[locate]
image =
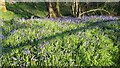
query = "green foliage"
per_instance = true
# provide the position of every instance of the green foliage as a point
(49, 43)
(28, 9)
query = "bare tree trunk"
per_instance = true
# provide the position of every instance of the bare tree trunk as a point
(76, 9)
(3, 6)
(58, 14)
(73, 6)
(79, 11)
(51, 13)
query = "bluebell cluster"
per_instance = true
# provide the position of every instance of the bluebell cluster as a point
(88, 40)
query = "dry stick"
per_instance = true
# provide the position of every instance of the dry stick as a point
(95, 10)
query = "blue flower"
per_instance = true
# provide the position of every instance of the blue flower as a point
(6, 35)
(3, 29)
(39, 38)
(19, 59)
(27, 52)
(23, 19)
(77, 21)
(2, 53)
(41, 46)
(18, 45)
(11, 53)
(10, 46)
(2, 37)
(42, 43)
(37, 26)
(22, 34)
(12, 31)
(47, 43)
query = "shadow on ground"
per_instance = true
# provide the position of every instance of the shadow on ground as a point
(89, 26)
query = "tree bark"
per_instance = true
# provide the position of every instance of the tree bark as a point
(3, 6)
(57, 11)
(76, 9)
(51, 13)
(73, 6)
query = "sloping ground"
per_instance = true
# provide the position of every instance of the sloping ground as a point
(59, 42)
(26, 10)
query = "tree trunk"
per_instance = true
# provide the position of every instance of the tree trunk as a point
(3, 6)
(73, 6)
(76, 9)
(51, 13)
(58, 14)
(79, 11)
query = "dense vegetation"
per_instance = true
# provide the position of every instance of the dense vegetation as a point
(60, 42)
(92, 40)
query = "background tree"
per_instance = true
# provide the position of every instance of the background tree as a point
(57, 9)
(51, 13)
(76, 9)
(53, 9)
(3, 6)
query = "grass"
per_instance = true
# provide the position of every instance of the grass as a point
(8, 15)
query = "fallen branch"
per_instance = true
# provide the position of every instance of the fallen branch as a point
(95, 10)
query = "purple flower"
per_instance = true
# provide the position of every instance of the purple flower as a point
(12, 31)
(2, 53)
(20, 59)
(2, 37)
(42, 43)
(77, 21)
(22, 34)
(52, 19)
(41, 46)
(47, 43)
(37, 35)
(23, 19)
(3, 29)
(39, 38)
(18, 45)
(11, 53)
(27, 52)
(37, 26)
(6, 35)
(10, 46)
